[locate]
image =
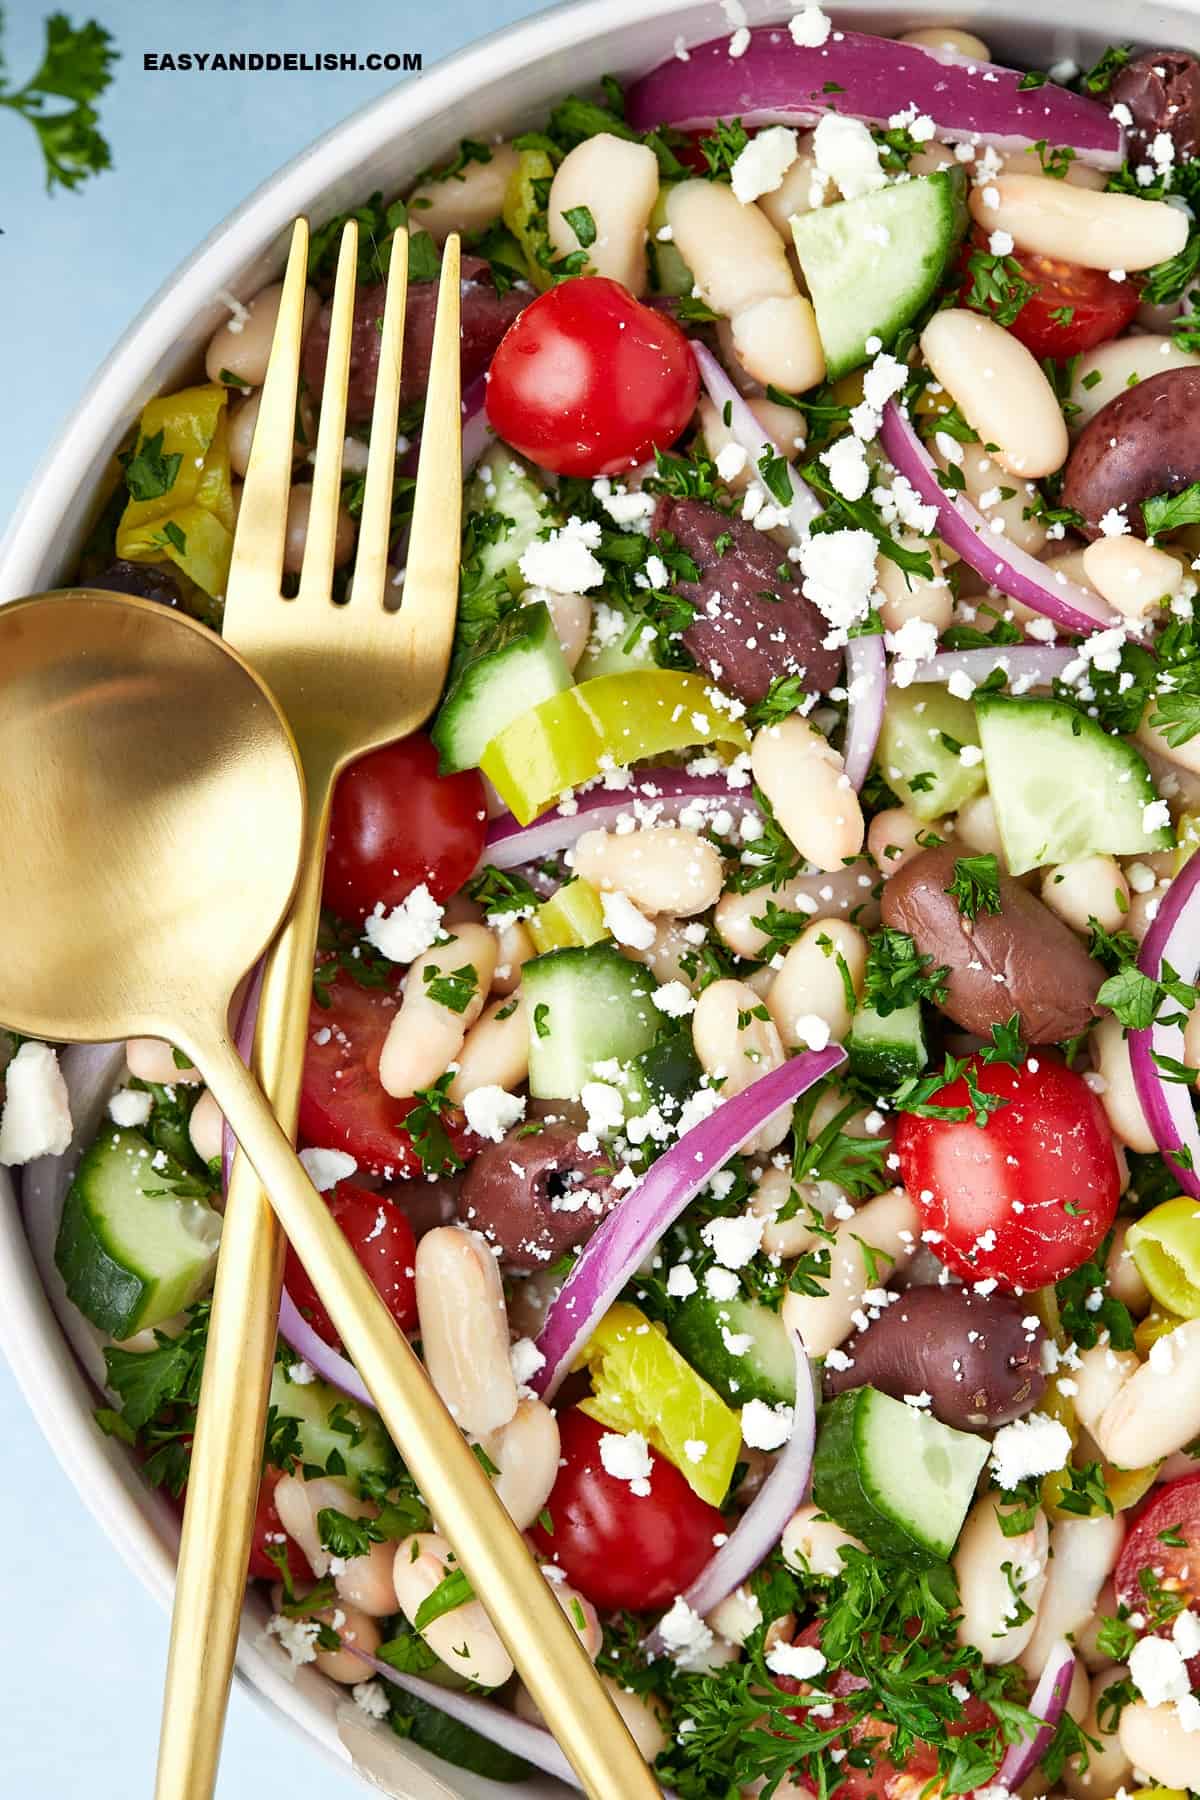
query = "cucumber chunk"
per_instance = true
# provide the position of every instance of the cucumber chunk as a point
(518, 666)
(334, 1433)
(618, 654)
(585, 1007)
(137, 1242)
(918, 755)
(503, 484)
(884, 1051)
(872, 263)
(1061, 785)
(894, 1475)
(704, 1329)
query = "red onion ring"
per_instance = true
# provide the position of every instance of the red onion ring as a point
(866, 686)
(1033, 665)
(671, 791)
(324, 1361)
(477, 434)
(753, 439)
(633, 1228)
(1174, 937)
(1048, 1703)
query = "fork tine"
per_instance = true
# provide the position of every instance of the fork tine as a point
(431, 576)
(374, 528)
(262, 521)
(316, 574)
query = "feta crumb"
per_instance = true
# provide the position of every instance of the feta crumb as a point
(408, 930)
(674, 999)
(490, 1111)
(325, 1168)
(809, 27)
(564, 561)
(685, 1634)
(800, 1661)
(1036, 1445)
(369, 1697)
(626, 1457)
(301, 1374)
(627, 924)
(730, 461)
(297, 1636)
(734, 1241)
(766, 1427)
(847, 154)
(525, 1359)
(37, 1109)
(838, 569)
(681, 1283)
(764, 162)
(131, 1107)
(1158, 1671)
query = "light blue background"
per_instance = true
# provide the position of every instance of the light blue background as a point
(83, 1647)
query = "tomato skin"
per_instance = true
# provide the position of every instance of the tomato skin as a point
(1101, 308)
(1173, 1508)
(622, 1550)
(397, 823)
(383, 1241)
(343, 1105)
(1049, 1148)
(268, 1529)
(588, 381)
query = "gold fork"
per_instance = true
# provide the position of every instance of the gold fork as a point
(349, 678)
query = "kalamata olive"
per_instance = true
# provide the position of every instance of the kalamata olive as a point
(535, 1197)
(977, 1356)
(146, 581)
(1021, 960)
(750, 627)
(1146, 441)
(1161, 89)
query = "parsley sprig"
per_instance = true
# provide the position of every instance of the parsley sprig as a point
(76, 68)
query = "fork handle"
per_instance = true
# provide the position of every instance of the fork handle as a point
(239, 1359)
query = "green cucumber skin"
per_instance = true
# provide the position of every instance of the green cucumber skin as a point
(523, 666)
(887, 1050)
(910, 745)
(598, 1008)
(113, 1297)
(453, 1742)
(311, 1404)
(768, 1369)
(838, 1489)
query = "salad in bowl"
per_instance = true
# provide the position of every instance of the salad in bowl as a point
(754, 1026)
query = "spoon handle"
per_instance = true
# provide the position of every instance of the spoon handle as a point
(537, 1633)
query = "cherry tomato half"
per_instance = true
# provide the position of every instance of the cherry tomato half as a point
(343, 1104)
(383, 1241)
(397, 823)
(269, 1532)
(1029, 1196)
(588, 381)
(620, 1549)
(1162, 1553)
(1073, 308)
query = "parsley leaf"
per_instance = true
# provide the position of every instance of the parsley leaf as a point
(580, 219)
(452, 1590)
(1137, 1000)
(456, 990)
(423, 1123)
(1167, 512)
(1086, 1308)
(149, 474)
(898, 974)
(76, 66)
(976, 884)
(346, 1537)
(501, 891)
(998, 286)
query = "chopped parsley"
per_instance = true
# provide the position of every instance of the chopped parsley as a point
(149, 473)
(976, 885)
(898, 974)
(57, 100)
(455, 990)
(424, 1125)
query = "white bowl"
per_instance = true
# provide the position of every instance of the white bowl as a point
(501, 84)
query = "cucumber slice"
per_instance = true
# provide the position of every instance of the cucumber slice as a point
(334, 1433)
(586, 1006)
(518, 666)
(614, 658)
(894, 1475)
(871, 264)
(1061, 785)
(453, 1742)
(884, 1051)
(665, 1076)
(703, 1330)
(918, 755)
(503, 484)
(669, 274)
(132, 1250)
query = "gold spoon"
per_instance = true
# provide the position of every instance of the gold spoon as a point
(151, 818)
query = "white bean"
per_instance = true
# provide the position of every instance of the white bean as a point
(206, 1128)
(803, 778)
(153, 1060)
(1186, 755)
(771, 1193)
(975, 826)
(464, 1328)
(776, 340)
(1002, 500)
(1099, 1376)
(1079, 1694)
(1158, 1410)
(1101, 374)
(464, 1638)
(1124, 1278)
(733, 251)
(571, 615)
(525, 1452)
(1154, 1740)
(914, 596)
(1094, 887)
(243, 421)
(814, 896)
(948, 37)
(1108, 1767)
(583, 1616)
(514, 948)
(1119, 1096)
(812, 1544)
(1028, 162)
(1085, 1638)
(990, 1594)
(1082, 1555)
(368, 1582)
(1000, 389)
(1079, 225)
(467, 201)
(298, 1502)
(1132, 576)
(779, 423)
(296, 532)
(735, 1617)
(357, 1632)
(242, 346)
(671, 956)
(812, 982)
(662, 868)
(495, 1051)
(737, 1045)
(618, 183)
(425, 1036)
(643, 1715)
(887, 1223)
(892, 838)
(801, 190)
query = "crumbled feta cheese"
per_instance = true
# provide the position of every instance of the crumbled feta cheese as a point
(721, 1284)
(622, 506)
(490, 1111)
(564, 561)
(766, 1427)
(525, 1359)
(809, 27)
(695, 1449)
(325, 1168)
(1156, 816)
(734, 1240)
(846, 461)
(730, 461)
(1186, 1634)
(131, 1107)
(800, 1661)
(681, 1283)
(297, 1636)
(838, 569)
(408, 930)
(301, 1374)
(369, 1697)
(604, 1105)
(1158, 1671)
(1113, 523)
(627, 924)
(848, 155)
(812, 1030)
(685, 1634)
(36, 1120)
(674, 999)
(1036, 1445)
(764, 162)
(914, 643)
(626, 1457)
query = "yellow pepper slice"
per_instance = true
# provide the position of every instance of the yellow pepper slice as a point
(1156, 1324)
(641, 1383)
(612, 719)
(521, 210)
(572, 917)
(189, 520)
(1165, 1246)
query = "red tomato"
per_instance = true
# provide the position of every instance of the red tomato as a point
(268, 1530)
(1172, 1512)
(1029, 1196)
(1099, 307)
(588, 381)
(384, 1244)
(623, 1550)
(343, 1105)
(397, 823)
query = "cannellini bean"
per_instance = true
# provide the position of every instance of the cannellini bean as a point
(670, 954)
(1001, 499)
(1132, 576)
(467, 201)
(892, 838)
(913, 596)
(772, 1192)
(618, 182)
(243, 421)
(1186, 755)
(153, 1060)
(464, 1328)
(812, 895)
(1000, 389)
(643, 1715)
(1082, 1555)
(1158, 1410)
(1094, 887)
(1154, 1740)
(737, 1045)
(662, 868)
(424, 1036)
(206, 1128)
(242, 345)
(1124, 1278)
(888, 1223)
(1079, 1694)
(582, 1615)
(368, 1582)
(811, 985)
(495, 1051)
(1099, 1376)
(735, 1617)
(989, 1593)
(465, 1638)
(525, 1452)
(777, 341)
(572, 618)
(831, 1102)
(1078, 225)
(298, 1502)
(803, 778)
(1109, 1766)
(976, 827)
(529, 1302)
(1028, 162)
(779, 423)
(801, 190)
(1143, 909)
(296, 533)
(812, 1544)
(1118, 1096)
(357, 1632)
(948, 37)
(1085, 1637)
(514, 948)
(1101, 374)
(1069, 564)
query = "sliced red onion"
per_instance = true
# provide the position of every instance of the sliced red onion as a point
(1025, 665)
(477, 434)
(1174, 937)
(631, 1231)
(328, 1363)
(779, 82)
(963, 527)
(866, 685)
(761, 1526)
(1047, 1702)
(669, 791)
(753, 439)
